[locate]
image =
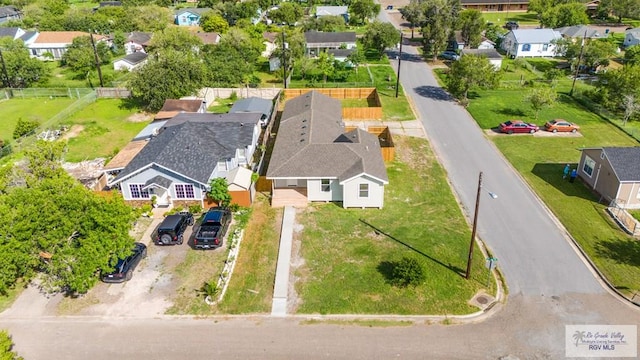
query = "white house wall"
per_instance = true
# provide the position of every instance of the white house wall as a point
(315, 193)
(351, 193)
(149, 173)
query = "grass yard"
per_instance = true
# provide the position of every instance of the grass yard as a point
(540, 160)
(40, 110)
(392, 108)
(107, 126)
(501, 17)
(347, 263)
(221, 106)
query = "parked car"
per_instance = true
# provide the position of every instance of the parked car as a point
(511, 25)
(561, 125)
(518, 126)
(449, 55)
(123, 269)
(171, 230)
(213, 228)
(389, 7)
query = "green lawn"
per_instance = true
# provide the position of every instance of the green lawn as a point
(106, 128)
(347, 262)
(540, 161)
(393, 108)
(500, 18)
(40, 110)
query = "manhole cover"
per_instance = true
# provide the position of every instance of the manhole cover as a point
(482, 300)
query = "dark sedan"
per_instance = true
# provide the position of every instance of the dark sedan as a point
(518, 126)
(123, 270)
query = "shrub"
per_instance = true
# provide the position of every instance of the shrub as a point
(195, 209)
(24, 127)
(233, 96)
(408, 271)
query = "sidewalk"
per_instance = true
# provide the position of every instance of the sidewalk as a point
(281, 287)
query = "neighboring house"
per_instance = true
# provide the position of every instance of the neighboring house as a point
(495, 5)
(579, 32)
(614, 173)
(173, 107)
(631, 37)
(592, 7)
(17, 33)
(208, 38)
(333, 11)
(189, 16)
(177, 165)
(314, 159)
(492, 54)
(130, 62)
(264, 107)
(54, 43)
(457, 43)
(318, 41)
(341, 55)
(487, 44)
(269, 43)
(530, 43)
(8, 13)
(137, 42)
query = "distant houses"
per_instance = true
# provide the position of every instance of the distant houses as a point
(318, 41)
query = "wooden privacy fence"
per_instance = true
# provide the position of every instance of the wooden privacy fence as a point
(263, 184)
(355, 113)
(387, 148)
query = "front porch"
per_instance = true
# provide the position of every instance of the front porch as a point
(291, 196)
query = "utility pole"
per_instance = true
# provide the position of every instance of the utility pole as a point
(284, 61)
(584, 38)
(475, 226)
(97, 59)
(4, 70)
(399, 61)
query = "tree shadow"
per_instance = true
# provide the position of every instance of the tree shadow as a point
(389, 267)
(509, 111)
(433, 92)
(386, 269)
(552, 174)
(130, 103)
(622, 251)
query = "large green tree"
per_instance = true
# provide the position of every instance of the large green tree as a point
(440, 16)
(471, 72)
(564, 15)
(414, 14)
(167, 75)
(379, 36)
(632, 55)
(620, 8)
(174, 38)
(214, 22)
(149, 18)
(80, 57)
(615, 85)
(6, 347)
(471, 25)
(326, 64)
(23, 71)
(288, 14)
(539, 98)
(360, 11)
(232, 61)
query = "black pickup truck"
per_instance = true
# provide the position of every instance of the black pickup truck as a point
(212, 229)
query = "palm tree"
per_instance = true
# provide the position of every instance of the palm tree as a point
(578, 336)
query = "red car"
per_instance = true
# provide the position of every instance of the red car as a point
(518, 126)
(561, 125)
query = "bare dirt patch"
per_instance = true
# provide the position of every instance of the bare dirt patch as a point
(140, 117)
(73, 132)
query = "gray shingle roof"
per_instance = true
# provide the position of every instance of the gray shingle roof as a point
(9, 32)
(252, 104)
(311, 142)
(535, 36)
(139, 37)
(488, 53)
(181, 105)
(340, 52)
(319, 37)
(192, 144)
(578, 31)
(198, 11)
(135, 58)
(6, 11)
(625, 162)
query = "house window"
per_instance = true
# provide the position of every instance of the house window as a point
(184, 191)
(364, 190)
(325, 185)
(589, 164)
(526, 47)
(545, 47)
(137, 192)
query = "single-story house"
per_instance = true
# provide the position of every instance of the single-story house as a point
(137, 42)
(319, 41)
(16, 33)
(253, 104)
(341, 55)
(270, 44)
(486, 44)
(579, 31)
(54, 43)
(592, 7)
(173, 107)
(333, 11)
(614, 173)
(530, 43)
(241, 188)
(492, 55)
(8, 13)
(631, 37)
(131, 61)
(314, 159)
(189, 16)
(457, 42)
(495, 5)
(208, 38)
(177, 165)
